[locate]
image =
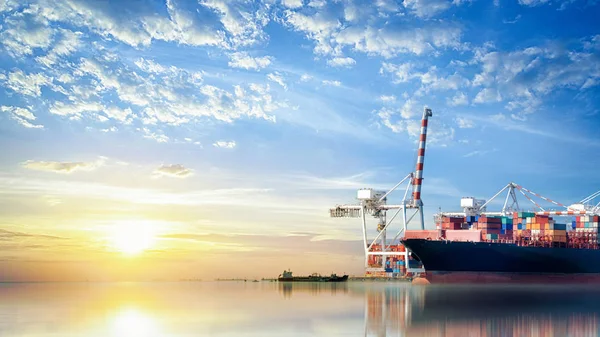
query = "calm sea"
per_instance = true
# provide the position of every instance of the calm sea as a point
(274, 309)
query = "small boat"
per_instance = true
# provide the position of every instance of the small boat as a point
(287, 276)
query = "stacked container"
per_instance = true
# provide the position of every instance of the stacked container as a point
(490, 227)
(453, 223)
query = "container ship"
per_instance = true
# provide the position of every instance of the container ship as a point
(524, 248)
(476, 245)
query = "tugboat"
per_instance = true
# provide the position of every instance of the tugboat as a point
(287, 277)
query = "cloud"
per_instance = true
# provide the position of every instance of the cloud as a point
(430, 79)
(132, 23)
(22, 35)
(438, 133)
(158, 137)
(27, 84)
(305, 77)
(428, 8)
(464, 123)
(341, 62)
(292, 3)
(533, 3)
(525, 76)
(174, 170)
(387, 98)
(225, 144)
(458, 99)
(63, 167)
(277, 78)
(478, 153)
(5, 234)
(75, 109)
(243, 21)
(69, 42)
(244, 61)
(487, 95)
(388, 42)
(23, 116)
(332, 83)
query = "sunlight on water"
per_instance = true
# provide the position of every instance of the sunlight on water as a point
(286, 309)
(131, 322)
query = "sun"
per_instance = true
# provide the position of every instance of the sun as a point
(132, 238)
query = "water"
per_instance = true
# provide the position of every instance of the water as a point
(274, 309)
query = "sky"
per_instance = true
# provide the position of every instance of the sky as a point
(148, 140)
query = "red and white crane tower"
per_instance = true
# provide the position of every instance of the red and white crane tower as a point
(374, 203)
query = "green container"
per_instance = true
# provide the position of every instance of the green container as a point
(507, 221)
(491, 236)
(526, 214)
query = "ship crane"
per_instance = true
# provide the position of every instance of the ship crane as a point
(374, 203)
(473, 207)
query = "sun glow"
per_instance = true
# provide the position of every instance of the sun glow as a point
(131, 322)
(132, 238)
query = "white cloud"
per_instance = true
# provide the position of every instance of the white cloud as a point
(158, 137)
(122, 115)
(464, 123)
(386, 98)
(458, 99)
(242, 20)
(487, 95)
(523, 77)
(150, 66)
(63, 167)
(533, 3)
(277, 78)
(332, 83)
(427, 8)
(305, 78)
(23, 116)
(21, 36)
(317, 3)
(430, 79)
(174, 170)
(243, 60)
(225, 144)
(75, 109)
(389, 43)
(27, 84)
(478, 153)
(69, 43)
(341, 62)
(139, 30)
(401, 72)
(318, 27)
(292, 3)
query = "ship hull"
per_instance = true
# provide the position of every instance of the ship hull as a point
(484, 262)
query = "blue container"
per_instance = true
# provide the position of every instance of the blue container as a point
(389, 270)
(400, 263)
(476, 218)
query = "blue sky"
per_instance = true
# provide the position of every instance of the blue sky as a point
(239, 117)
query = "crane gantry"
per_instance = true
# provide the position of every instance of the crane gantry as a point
(374, 203)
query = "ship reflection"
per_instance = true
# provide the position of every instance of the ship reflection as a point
(313, 288)
(482, 311)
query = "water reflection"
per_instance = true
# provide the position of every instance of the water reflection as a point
(313, 288)
(133, 322)
(296, 309)
(512, 311)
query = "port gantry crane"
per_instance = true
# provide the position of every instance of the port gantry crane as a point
(472, 206)
(374, 203)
